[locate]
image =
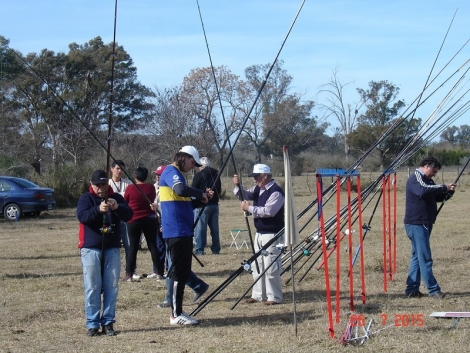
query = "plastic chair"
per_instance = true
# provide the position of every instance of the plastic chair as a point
(238, 234)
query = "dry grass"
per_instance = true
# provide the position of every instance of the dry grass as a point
(42, 293)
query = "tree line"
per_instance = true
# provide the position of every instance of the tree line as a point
(55, 108)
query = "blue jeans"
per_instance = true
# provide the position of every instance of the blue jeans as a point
(96, 284)
(193, 281)
(209, 218)
(421, 259)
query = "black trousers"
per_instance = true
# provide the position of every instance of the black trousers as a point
(149, 226)
(180, 250)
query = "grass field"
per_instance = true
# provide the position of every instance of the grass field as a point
(41, 291)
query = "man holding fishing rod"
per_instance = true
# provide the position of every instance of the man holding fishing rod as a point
(422, 195)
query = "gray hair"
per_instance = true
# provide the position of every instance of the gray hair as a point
(205, 162)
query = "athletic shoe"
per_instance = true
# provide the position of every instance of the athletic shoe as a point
(135, 276)
(153, 275)
(160, 277)
(128, 278)
(417, 294)
(198, 295)
(183, 319)
(92, 332)
(163, 305)
(108, 330)
(438, 295)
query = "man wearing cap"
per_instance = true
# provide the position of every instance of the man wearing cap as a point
(101, 270)
(268, 217)
(177, 226)
(205, 179)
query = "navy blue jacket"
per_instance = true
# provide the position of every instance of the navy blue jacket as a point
(91, 220)
(422, 195)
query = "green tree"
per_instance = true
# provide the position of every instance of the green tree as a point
(382, 109)
(57, 98)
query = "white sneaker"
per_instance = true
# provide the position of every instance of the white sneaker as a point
(135, 276)
(183, 319)
(153, 275)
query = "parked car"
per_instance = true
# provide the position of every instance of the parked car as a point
(20, 196)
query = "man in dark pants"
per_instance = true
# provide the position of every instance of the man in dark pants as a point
(422, 195)
(177, 226)
(209, 217)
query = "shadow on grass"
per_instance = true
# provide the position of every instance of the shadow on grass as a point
(34, 275)
(40, 257)
(239, 320)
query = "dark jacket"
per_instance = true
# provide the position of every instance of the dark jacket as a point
(205, 179)
(91, 220)
(422, 195)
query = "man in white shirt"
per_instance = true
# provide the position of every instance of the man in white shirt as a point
(119, 185)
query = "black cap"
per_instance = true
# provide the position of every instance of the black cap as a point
(99, 177)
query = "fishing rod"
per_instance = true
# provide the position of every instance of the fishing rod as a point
(105, 229)
(449, 194)
(247, 263)
(246, 214)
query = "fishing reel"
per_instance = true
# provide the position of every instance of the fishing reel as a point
(247, 266)
(107, 230)
(449, 195)
(282, 248)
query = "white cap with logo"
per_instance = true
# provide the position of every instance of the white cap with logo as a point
(192, 151)
(260, 169)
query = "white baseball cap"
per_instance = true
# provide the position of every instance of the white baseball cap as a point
(192, 151)
(260, 169)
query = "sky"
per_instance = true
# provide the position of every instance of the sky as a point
(364, 41)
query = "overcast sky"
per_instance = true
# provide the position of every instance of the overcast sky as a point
(365, 40)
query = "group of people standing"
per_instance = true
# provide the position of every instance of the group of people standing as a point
(116, 208)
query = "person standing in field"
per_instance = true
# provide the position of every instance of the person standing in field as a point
(268, 217)
(140, 198)
(422, 195)
(101, 275)
(177, 226)
(119, 185)
(209, 217)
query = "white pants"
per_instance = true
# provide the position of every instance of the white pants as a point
(269, 286)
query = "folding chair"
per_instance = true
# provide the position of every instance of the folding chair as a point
(238, 234)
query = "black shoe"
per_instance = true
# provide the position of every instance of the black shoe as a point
(417, 294)
(108, 330)
(92, 332)
(199, 294)
(438, 295)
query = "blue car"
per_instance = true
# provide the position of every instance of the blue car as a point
(20, 196)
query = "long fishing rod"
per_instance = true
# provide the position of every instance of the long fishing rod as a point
(104, 229)
(450, 194)
(247, 263)
(227, 140)
(432, 68)
(387, 133)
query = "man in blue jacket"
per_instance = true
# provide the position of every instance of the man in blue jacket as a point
(422, 195)
(101, 277)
